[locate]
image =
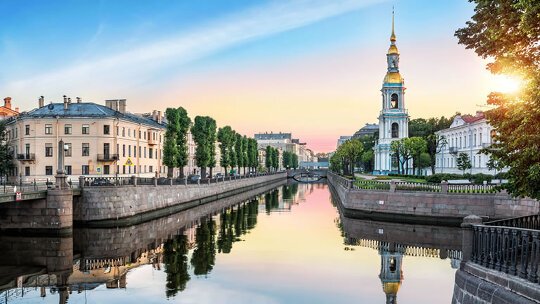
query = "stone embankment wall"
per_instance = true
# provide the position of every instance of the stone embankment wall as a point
(132, 204)
(132, 240)
(427, 207)
(475, 284)
(40, 215)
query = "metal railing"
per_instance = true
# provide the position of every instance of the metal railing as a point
(26, 156)
(526, 222)
(515, 251)
(472, 188)
(108, 157)
(425, 187)
(162, 181)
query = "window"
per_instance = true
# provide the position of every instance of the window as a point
(67, 152)
(48, 129)
(67, 168)
(129, 169)
(67, 129)
(27, 150)
(395, 130)
(129, 150)
(117, 130)
(134, 169)
(48, 150)
(145, 169)
(394, 101)
(129, 132)
(85, 129)
(150, 152)
(139, 134)
(48, 170)
(27, 130)
(123, 150)
(106, 169)
(117, 169)
(123, 132)
(85, 169)
(85, 149)
(124, 169)
(145, 135)
(150, 169)
(144, 152)
(26, 171)
(140, 149)
(392, 264)
(134, 151)
(106, 129)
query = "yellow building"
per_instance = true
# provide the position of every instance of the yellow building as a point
(99, 140)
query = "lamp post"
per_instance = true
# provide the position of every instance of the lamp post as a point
(60, 172)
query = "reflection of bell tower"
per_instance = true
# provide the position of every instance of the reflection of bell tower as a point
(391, 274)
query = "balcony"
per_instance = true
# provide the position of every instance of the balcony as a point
(151, 140)
(453, 150)
(486, 145)
(26, 157)
(108, 157)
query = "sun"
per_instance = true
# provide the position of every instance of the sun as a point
(506, 84)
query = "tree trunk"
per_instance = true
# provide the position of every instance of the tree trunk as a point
(182, 172)
(170, 172)
(211, 172)
(203, 172)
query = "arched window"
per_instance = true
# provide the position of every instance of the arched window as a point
(395, 130)
(394, 101)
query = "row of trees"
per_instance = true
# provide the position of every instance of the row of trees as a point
(237, 151)
(290, 160)
(271, 160)
(347, 156)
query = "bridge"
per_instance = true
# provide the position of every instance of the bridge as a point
(307, 175)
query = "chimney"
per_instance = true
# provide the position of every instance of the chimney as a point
(69, 100)
(7, 102)
(17, 109)
(122, 106)
(65, 103)
(41, 101)
(159, 117)
(78, 100)
(154, 115)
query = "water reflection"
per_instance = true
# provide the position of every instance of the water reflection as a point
(280, 246)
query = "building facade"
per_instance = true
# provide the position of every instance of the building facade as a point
(6, 110)
(367, 130)
(393, 118)
(467, 134)
(98, 141)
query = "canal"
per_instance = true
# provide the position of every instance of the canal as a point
(288, 245)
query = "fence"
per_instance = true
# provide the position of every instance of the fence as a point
(371, 185)
(513, 250)
(161, 181)
(25, 187)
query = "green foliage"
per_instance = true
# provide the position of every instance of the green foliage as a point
(6, 155)
(268, 158)
(204, 136)
(294, 161)
(426, 129)
(463, 162)
(184, 123)
(424, 160)
(175, 151)
(176, 264)
(225, 137)
(347, 156)
(238, 148)
(508, 32)
(204, 255)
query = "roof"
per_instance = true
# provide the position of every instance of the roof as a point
(269, 136)
(86, 109)
(470, 119)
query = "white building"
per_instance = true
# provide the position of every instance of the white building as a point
(393, 118)
(467, 134)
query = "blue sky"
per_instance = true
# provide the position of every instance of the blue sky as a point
(181, 53)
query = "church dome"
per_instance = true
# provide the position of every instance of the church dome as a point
(393, 77)
(393, 50)
(391, 287)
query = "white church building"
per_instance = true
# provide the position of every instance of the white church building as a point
(393, 118)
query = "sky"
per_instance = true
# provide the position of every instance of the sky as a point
(310, 67)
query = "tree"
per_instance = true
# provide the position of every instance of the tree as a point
(225, 138)
(402, 153)
(238, 148)
(294, 161)
(287, 159)
(184, 124)
(416, 146)
(275, 159)
(427, 128)
(170, 147)
(6, 155)
(245, 157)
(424, 160)
(508, 32)
(204, 136)
(463, 162)
(268, 158)
(253, 154)
(367, 160)
(212, 134)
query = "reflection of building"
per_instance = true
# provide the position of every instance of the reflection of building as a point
(391, 274)
(393, 118)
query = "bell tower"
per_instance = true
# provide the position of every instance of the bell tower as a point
(393, 118)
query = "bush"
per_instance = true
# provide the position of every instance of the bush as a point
(408, 176)
(474, 178)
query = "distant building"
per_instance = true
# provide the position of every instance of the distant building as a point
(99, 140)
(367, 130)
(342, 139)
(284, 142)
(6, 111)
(467, 134)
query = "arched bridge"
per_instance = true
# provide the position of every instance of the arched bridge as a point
(307, 176)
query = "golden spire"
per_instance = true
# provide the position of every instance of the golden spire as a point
(393, 36)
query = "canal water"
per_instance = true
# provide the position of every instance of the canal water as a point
(289, 245)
